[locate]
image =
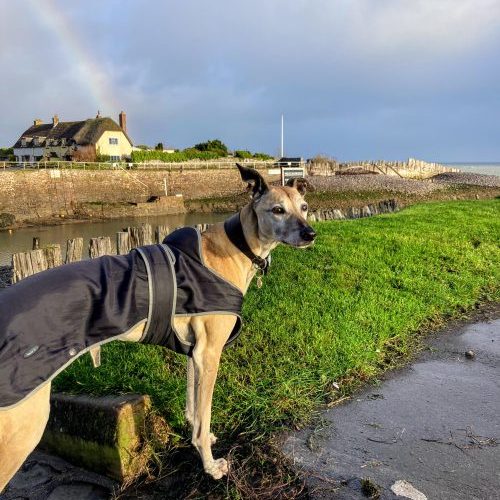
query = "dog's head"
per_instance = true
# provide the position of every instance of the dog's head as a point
(281, 211)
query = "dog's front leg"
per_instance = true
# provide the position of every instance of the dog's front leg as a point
(206, 356)
(191, 396)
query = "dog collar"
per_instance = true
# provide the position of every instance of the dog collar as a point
(234, 231)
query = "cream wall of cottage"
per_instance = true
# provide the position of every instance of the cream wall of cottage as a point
(123, 148)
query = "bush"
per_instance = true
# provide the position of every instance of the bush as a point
(242, 153)
(186, 155)
(102, 158)
(7, 154)
(215, 145)
(7, 219)
(262, 156)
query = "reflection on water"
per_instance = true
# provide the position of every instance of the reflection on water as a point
(21, 240)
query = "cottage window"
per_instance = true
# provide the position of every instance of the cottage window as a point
(114, 158)
(113, 140)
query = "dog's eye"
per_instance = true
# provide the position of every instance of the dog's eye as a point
(278, 210)
(304, 207)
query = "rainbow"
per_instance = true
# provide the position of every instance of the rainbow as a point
(94, 78)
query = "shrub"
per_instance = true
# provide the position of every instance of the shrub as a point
(215, 145)
(242, 153)
(262, 156)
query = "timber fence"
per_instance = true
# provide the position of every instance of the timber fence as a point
(222, 164)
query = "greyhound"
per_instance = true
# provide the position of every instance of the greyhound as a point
(236, 253)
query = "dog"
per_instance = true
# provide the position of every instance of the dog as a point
(233, 252)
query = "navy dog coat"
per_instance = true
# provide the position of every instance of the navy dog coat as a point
(51, 318)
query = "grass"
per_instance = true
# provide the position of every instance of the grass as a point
(340, 312)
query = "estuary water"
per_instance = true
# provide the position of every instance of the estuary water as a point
(21, 240)
(489, 168)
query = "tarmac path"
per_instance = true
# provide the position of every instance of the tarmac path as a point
(431, 430)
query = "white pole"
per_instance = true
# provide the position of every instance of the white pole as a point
(282, 150)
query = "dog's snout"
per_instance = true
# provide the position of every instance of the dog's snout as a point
(308, 234)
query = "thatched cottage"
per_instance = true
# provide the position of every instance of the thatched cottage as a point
(78, 141)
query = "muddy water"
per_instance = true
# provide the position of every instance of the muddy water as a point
(21, 240)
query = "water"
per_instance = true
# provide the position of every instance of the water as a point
(21, 240)
(489, 168)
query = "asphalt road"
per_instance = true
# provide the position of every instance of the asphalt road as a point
(431, 430)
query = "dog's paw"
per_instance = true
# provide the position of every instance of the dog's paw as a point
(217, 468)
(212, 437)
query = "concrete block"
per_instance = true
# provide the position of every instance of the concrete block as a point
(107, 434)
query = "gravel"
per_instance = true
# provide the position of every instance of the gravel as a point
(373, 182)
(381, 182)
(469, 178)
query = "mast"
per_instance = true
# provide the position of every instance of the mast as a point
(282, 150)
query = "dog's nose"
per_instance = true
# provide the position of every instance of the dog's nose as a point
(308, 234)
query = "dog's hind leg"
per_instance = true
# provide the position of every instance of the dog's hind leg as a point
(21, 429)
(210, 340)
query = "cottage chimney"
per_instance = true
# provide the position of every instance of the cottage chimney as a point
(123, 121)
(55, 120)
(37, 122)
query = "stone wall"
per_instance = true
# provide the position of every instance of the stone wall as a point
(42, 194)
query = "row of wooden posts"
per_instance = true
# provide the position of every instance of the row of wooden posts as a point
(41, 258)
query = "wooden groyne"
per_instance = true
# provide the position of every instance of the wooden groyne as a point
(409, 169)
(25, 264)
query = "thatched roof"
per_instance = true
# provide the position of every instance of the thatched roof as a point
(81, 133)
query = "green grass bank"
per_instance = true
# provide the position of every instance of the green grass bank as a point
(340, 312)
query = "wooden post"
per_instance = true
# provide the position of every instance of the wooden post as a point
(53, 256)
(201, 227)
(140, 236)
(122, 242)
(25, 264)
(100, 246)
(74, 250)
(161, 232)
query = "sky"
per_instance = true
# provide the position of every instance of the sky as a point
(355, 79)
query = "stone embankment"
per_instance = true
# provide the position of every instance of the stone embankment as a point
(382, 207)
(37, 195)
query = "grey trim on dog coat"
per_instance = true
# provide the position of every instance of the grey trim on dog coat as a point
(51, 318)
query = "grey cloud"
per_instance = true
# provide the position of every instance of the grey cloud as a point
(354, 79)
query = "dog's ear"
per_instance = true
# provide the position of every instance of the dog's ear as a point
(300, 184)
(255, 181)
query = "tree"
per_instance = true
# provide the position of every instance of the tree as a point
(159, 146)
(84, 153)
(215, 145)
